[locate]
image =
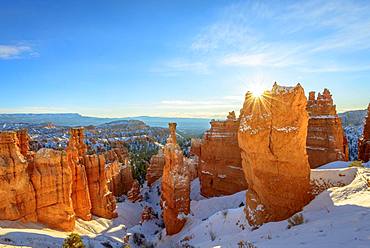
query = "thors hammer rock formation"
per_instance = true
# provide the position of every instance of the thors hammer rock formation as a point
(272, 137)
(52, 180)
(175, 197)
(220, 171)
(17, 195)
(364, 141)
(76, 150)
(326, 141)
(155, 169)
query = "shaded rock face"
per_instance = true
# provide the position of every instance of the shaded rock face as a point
(76, 150)
(16, 190)
(326, 141)
(155, 169)
(175, 193)
(364, 141)
(220, 169)
(272, 137)
(103, 203)
(134, 194)
(52, 181)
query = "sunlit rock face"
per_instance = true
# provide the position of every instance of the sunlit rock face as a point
(326, 141)
(272, 137)
(76, 151)
(52, 180)
(175, 193)
(23, 141)
(17, 195)
(364, 141)
(155, 169)
(220, 171)
(103, 203)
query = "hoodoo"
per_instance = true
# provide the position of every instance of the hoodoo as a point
(220, 171)
(175, 197)
(364, 141)
(326, 141)
(272, 136)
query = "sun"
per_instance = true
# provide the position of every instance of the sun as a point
(257, 90)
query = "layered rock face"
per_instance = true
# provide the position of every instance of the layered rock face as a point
(326, 141)
(220, 171)
(16, 190)
(155, 169)
(364, 141)
(103, 203)
(76, 151)
(272, 137)
(175, 197)
(52, 181)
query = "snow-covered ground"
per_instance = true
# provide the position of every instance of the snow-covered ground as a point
(338, 217)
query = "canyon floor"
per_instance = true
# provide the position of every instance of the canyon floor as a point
(338, 217)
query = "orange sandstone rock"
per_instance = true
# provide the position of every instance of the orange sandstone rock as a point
(326, 141)
(76, 150)
(17, 195)
(23, 141)
(272, 137)
(155, 169)
(175, 193)
(52, 181)
(364, 141)
(220, 171)
(103, 203)
(134, 194)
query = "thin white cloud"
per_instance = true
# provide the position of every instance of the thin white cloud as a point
(176, 66)
(14, 51)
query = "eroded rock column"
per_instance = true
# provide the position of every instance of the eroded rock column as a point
(272, 137)
(175, 197)
(364, 141)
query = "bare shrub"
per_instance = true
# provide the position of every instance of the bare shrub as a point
(295, 220)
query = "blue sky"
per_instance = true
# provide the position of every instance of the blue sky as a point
(177, 58)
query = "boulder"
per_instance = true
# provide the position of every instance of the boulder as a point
(364, 141)
(326, 141)
(175, 192)
(272, 137)
(18, 201)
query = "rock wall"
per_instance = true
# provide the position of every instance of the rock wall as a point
(364, 141)
(23, 141)
(52, 180)
(220, 171)
(103, 203)
(16, 190)
(155, 169)
(175, 193)
(272, 137)
(326, 141)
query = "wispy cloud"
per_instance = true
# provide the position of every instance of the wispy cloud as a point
(176, 66)
(15, 51)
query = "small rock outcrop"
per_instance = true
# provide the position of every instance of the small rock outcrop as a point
(272, 137)
(134, 194)
(18, 201)
(220, 168)
(326, 141)
(175, 193)
(155, 169)
(76, 151)
(364, 141)
(52, 180)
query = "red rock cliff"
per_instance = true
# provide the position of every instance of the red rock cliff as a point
(364, 141)
(16, 190)
(272, 137)
(326, 141)
(175, 197)
(220, 171)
